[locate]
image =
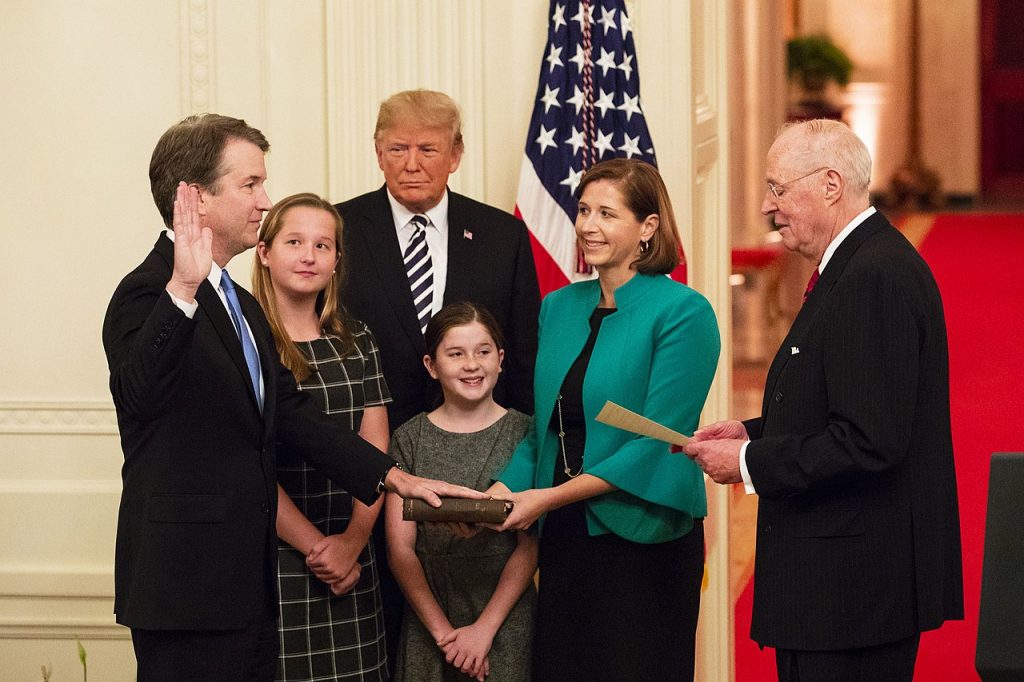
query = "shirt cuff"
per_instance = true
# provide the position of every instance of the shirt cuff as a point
(380, 483)
(188, 308)
(748, 485)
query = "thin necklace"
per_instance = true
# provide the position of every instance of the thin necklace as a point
(561, 440)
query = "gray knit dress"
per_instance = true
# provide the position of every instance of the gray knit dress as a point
(463, 572)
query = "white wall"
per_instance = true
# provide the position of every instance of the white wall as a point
(89, 87)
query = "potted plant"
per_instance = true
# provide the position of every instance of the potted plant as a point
(812, 63)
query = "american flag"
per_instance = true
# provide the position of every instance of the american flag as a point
(588, 109)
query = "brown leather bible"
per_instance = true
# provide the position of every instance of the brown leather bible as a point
(457, 509)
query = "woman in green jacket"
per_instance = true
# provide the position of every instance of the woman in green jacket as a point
(619, 515)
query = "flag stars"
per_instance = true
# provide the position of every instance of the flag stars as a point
(581, 57)
(630, 146)
(603, 144)
(580, 18)
(624, 25)
(577, 98)
(558, 18)
(607, 61)
(546, 139)
(576, 140)
(550, 98)
(604, 102)
(553, 59)
(626, 66)
(630, 105)
(607, 19)
(573, 180)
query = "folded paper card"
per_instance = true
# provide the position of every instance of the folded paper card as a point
(627, 420)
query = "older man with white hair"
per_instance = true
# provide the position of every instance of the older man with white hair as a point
(858, 533)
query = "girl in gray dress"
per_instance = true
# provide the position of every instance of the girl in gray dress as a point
(471, 594)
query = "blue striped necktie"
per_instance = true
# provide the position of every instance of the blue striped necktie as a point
(420, 270)
(252, 358)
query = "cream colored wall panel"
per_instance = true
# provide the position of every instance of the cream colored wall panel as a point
(757, 106)
(661, 30)
(238, 57)
(110, 660)
(59, 527)
(950, 117)
(513, 39)
(377, 49)
(296, 105)
(78, 100)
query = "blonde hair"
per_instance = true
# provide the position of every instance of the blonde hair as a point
(333, 318)
(426, 107)
(645, 194)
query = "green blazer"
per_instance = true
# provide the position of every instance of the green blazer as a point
(656, 355)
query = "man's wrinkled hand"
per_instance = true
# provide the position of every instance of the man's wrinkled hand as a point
(720, 459)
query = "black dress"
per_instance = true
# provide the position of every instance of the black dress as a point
(610, 609)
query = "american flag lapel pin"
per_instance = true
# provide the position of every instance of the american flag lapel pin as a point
(466, 234)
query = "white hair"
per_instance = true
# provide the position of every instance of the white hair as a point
(832, 143)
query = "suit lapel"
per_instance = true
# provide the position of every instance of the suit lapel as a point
(818, 298)
(265, 348)
(381, 245)
(213, 308)
(459, 250)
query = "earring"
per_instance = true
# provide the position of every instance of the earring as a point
(644, 247)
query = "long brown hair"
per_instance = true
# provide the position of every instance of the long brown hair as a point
(333, 318)
(645, 194)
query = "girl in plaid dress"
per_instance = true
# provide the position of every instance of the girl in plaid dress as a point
(331, 626)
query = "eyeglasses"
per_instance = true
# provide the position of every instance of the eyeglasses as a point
(778, 190)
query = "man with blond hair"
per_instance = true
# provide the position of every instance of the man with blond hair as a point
(476, 253)
(858, 533)
(413, 245)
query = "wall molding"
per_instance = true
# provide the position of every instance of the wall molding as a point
(58, 418)
(34, 581)
(63, 628)
(197, 52)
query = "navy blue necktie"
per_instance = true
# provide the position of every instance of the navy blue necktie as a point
(252, 358)
(420, 270)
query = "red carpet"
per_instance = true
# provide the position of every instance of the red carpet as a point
(977, 263)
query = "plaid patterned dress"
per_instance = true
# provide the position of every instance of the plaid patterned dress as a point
(327, 637)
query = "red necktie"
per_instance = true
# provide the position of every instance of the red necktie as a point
(810, 284)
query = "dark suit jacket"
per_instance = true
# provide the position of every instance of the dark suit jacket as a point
(493, 268)
(858, 534)
(196, 540)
